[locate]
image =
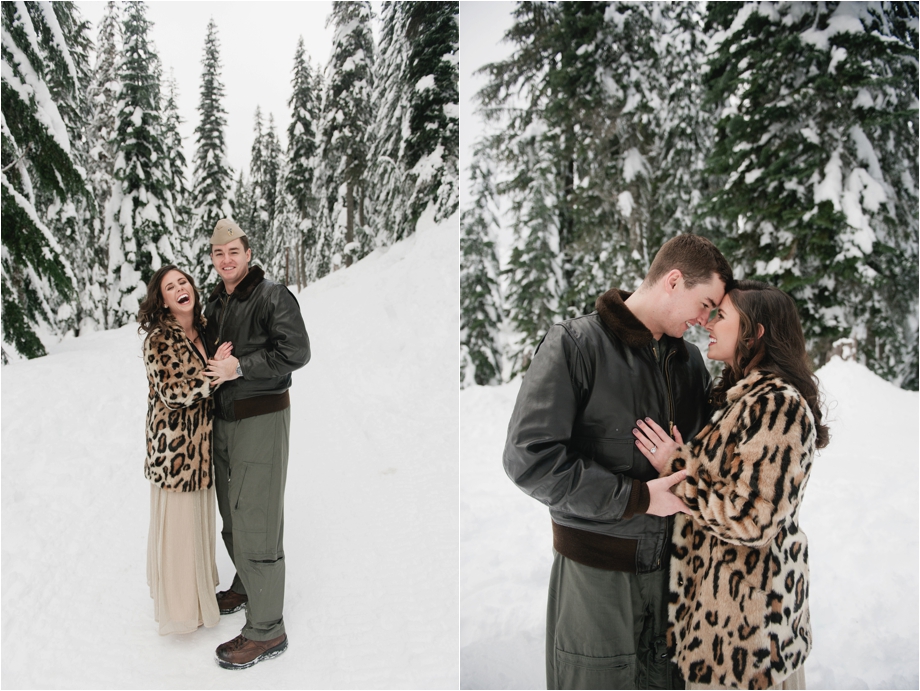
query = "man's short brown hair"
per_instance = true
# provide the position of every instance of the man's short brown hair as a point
(695, 257)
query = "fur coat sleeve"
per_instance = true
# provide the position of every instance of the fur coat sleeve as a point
(746, 470)
(178, 413)
(738, 609)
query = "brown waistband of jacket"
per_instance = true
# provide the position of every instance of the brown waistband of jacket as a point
(594, 549)
(261, 405)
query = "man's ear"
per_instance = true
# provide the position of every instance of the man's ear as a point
(672, 278)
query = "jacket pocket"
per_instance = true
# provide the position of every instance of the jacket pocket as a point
(616, 454)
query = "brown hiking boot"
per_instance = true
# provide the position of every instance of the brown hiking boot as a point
(241, 652)
(229, 601)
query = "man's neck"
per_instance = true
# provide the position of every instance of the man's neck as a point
(231, 287)
(643, 309)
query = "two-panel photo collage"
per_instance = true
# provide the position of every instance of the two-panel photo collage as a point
(460, 345)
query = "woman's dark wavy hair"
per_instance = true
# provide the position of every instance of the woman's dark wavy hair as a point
(780, 351)
(154, 313)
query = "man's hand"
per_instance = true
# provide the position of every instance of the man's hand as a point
(222, 370)
(661, 501)
(224, 351)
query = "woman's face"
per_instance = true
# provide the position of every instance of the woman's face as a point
(177, 293)
(723, 332)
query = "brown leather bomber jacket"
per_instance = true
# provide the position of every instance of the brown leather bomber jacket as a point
(570, 443)
(263, 321)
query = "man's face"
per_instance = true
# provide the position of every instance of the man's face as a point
(691, 306)
(231, 261)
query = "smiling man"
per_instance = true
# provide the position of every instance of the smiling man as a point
(570, 446)
(262, 320)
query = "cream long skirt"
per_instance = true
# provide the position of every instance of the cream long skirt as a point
(181, 570)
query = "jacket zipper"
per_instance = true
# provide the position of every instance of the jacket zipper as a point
(667, 374)
(224, 302)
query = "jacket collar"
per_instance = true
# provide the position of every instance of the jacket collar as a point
(242, 292)
(616, 316)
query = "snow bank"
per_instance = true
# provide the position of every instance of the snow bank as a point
(371, 519)
(860, 515)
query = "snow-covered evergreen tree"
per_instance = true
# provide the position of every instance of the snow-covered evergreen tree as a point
(816, 149)
(416, 128)
(256, 218)
(392, 92)
(43, 179)
(72, 221)
(480, 300)
(535, 283)
(245, 208)
(432, 72)
(184, 237)
(212, 177)
(282, 258)
(139, 216)
(268, 188)
(341, 176)
(685, 124)
(103, 96)
(300, 212)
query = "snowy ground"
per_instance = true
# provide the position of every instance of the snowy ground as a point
(371, 520)
(860, 514)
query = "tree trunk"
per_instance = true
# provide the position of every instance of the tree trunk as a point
(349, 220)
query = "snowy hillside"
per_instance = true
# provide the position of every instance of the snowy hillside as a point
(860, 515)
(371, 519)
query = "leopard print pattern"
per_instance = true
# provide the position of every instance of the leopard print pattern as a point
(179, 413)
(738, 602)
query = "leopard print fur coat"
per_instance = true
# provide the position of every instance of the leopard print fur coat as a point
(738, 603)
(179, 412)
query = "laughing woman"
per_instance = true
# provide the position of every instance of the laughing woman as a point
(738, 608)
(181, 569)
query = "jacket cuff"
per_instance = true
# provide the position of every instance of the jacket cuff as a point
(639, 499)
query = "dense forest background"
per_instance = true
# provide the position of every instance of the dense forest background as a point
(97, 193)
(786, 132)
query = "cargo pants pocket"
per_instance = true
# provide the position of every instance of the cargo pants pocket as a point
(250, 508)
(575, 671)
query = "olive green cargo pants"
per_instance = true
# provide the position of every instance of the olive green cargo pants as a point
(250, 470)
(606, 629)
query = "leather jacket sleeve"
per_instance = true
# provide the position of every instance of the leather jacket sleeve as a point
(539, 457)
(290, 344)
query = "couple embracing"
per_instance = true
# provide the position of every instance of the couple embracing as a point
(218, 424)
(675, 562)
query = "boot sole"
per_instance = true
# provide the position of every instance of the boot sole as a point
(267, 655)
(235, 609)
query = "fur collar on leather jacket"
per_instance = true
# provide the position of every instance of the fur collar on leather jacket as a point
(245, 287)
(617, 317)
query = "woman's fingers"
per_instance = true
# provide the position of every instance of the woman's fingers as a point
(677, 436)
(655, 429)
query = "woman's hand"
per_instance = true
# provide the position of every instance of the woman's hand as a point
(224, 351)
(654, 443)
